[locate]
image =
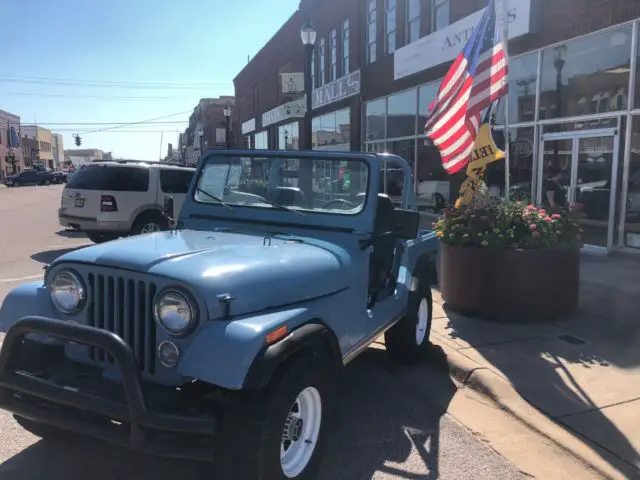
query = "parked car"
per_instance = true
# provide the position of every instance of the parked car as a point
(107, 200)
(229, 333)
(30, 177)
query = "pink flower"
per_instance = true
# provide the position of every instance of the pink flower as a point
(532, 227)
(535, 234)
(556, 216)
(542, 211)
(548, 219)
(530, 207)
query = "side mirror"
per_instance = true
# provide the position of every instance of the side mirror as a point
(167, 209)
(406, 223)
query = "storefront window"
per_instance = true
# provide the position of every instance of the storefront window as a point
(261, 141)
(332, 131)
(432, 192)
(587, 75)
(632, 219)
(521, 141)
(288, 136)
(523, 74)
(426, 94)
(401, 114)
(375, 119)
(395, 178)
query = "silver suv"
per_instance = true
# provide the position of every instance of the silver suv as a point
(107, 200)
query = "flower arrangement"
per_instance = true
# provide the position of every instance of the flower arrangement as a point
(509, 224)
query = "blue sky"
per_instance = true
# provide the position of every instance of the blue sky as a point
(136, 42)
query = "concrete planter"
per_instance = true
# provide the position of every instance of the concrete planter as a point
(510, 285)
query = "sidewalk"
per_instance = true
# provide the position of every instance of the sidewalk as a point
(581, 376)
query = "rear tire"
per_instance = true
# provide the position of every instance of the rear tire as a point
(407, 342)
(149, 222)
(279, 433)
(101, 237)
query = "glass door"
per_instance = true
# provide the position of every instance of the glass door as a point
(578, 171)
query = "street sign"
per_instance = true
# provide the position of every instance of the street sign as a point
(292, 82)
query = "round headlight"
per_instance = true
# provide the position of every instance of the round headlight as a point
(67, 291)
(175, 312)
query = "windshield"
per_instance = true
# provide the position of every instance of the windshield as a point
(298, 184)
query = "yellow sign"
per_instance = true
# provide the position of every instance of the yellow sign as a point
(473, 190)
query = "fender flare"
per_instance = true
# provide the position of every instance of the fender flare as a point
(313, 334)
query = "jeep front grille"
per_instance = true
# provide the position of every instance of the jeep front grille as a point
(125, 307)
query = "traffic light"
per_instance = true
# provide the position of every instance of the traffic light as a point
(78, 140)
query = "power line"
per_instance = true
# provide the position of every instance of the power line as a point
(89, 97)
(71, 130)
(109, 123)
(136, 123)
(108, 84)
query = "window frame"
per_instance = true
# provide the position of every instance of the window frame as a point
(409, 21)
(435, 5)
(346, 37)
(390, 13)
(333, 52)
(372, 23)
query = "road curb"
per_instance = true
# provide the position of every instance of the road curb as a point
(490, 406)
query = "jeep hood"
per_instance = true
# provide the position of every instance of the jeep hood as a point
(258, 273)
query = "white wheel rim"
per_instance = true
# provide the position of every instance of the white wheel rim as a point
(300, 433)
(423, 321)
(150, 227)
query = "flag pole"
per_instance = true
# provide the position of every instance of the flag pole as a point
(507, 152)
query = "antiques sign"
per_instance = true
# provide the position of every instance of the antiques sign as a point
(337, 90)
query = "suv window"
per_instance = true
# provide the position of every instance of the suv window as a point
(117, 179)
(175, 181)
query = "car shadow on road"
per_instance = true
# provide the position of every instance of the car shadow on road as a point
(386, 412)
(48, 256)
(70, 233)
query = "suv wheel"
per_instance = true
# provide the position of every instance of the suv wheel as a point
(280, 433)
(408, 340)
(101, 237)
(149, 222)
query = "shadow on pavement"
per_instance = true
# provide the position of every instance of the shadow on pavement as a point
(70, 233)
(386, 412)
(566, 369)
(48, 256)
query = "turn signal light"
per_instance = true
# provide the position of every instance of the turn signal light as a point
(108, 203)
(276, 335)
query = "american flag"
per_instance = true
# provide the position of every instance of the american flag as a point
(477, 78)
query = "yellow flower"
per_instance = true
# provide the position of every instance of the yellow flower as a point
(439, 234)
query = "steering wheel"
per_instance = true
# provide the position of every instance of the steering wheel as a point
(339, 202)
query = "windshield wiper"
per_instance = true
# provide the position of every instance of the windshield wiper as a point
(213, 197)
(281, 207)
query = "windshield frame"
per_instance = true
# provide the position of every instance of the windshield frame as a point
(362, 220)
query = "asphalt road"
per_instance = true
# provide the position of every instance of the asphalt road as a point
(391, 423)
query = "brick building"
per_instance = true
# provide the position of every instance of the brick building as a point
(11, 160)
(30, 151)
(208, 117)
(574, 97)
(269, 90)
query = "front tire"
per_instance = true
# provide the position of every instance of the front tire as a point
(407, 342)
(280, 433)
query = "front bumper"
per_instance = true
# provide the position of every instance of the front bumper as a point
(76, 398)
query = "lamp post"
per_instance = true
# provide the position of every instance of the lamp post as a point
(559, 55)
(227, 129)
(200, 144)
(308, 35)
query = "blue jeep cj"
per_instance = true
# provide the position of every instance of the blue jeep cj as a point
(221, 339)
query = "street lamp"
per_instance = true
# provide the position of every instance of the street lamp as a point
(308, 36)
(227, 117)
(200, 144)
